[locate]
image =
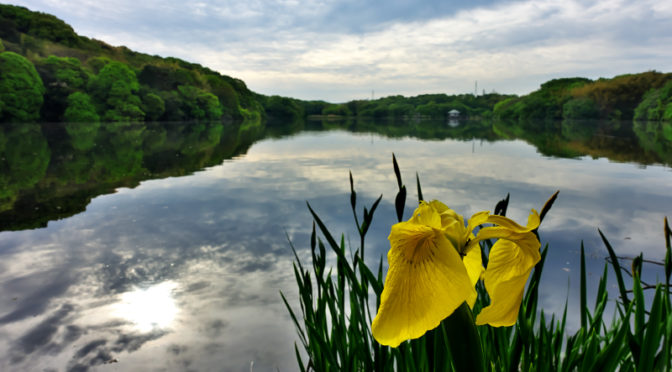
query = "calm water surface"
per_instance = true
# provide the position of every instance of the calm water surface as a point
(152, 248)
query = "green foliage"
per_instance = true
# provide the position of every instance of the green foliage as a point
(580, 108)
(21, 89)
(226, 94)
(153, 106)
(8, 30)
(427, 105)
(580, 98)
(166, 77)
(97, 63)
(39, 25)
(66, 71)
(282, 109)
(316, 107)
(80, 109)
(656, 104)
(618, 97)
(332, 109)
(543, 104)
(2, 46)
(198, 104)
(173, 106)
(433, 109)
(114, 90)
(62, 76)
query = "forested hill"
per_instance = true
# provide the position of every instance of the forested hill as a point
(643, 96)
(49, 73)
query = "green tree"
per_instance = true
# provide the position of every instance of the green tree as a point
(62, 76)
(656, 104)
(153, 106)
(333, 109)
(173, 106)
(580, 108)
(198, 104)
(282, 109)
(617, 98)
(21, 89)
(97, 63)
(226, 94)
(40, 25)
(80, 109)
(66, 71)
(114, 92)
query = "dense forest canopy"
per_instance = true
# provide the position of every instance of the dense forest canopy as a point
(50, 73)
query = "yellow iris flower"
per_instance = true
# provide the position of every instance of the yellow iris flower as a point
(435, 262)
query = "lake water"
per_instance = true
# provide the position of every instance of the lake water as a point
(164, 247)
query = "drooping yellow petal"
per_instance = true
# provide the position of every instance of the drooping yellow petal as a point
(510, 262)
(469, 242)
(478, 219)
(508, 268)
(510, 230)
(425, 283)
(474, 265)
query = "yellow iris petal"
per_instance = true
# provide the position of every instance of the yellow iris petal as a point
(510, 261)
(425, 283)
(478, 219)
(509, 267)
(510, 230)
(426, 215)
(474, 265)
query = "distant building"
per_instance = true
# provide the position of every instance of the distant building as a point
(453, 113)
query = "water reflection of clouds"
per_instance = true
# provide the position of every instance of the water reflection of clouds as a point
(214, 243)
(227, 303)
(148, 308)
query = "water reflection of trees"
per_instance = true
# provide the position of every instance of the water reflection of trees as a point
(53, 171)
(643, 143)
(23, 162)
(620, 141)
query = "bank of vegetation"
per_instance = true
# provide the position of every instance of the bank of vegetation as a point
(645, 96)
(642, 96)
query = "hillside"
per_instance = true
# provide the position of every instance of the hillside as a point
(49, 73)
(642, 96)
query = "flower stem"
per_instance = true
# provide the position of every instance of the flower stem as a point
(464, 341)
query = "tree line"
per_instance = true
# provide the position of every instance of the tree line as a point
(643, 96)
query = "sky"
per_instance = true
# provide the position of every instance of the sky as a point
(341, 50)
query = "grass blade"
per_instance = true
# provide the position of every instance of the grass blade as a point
(617, 270)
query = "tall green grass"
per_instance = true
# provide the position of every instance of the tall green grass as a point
(338, 303)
